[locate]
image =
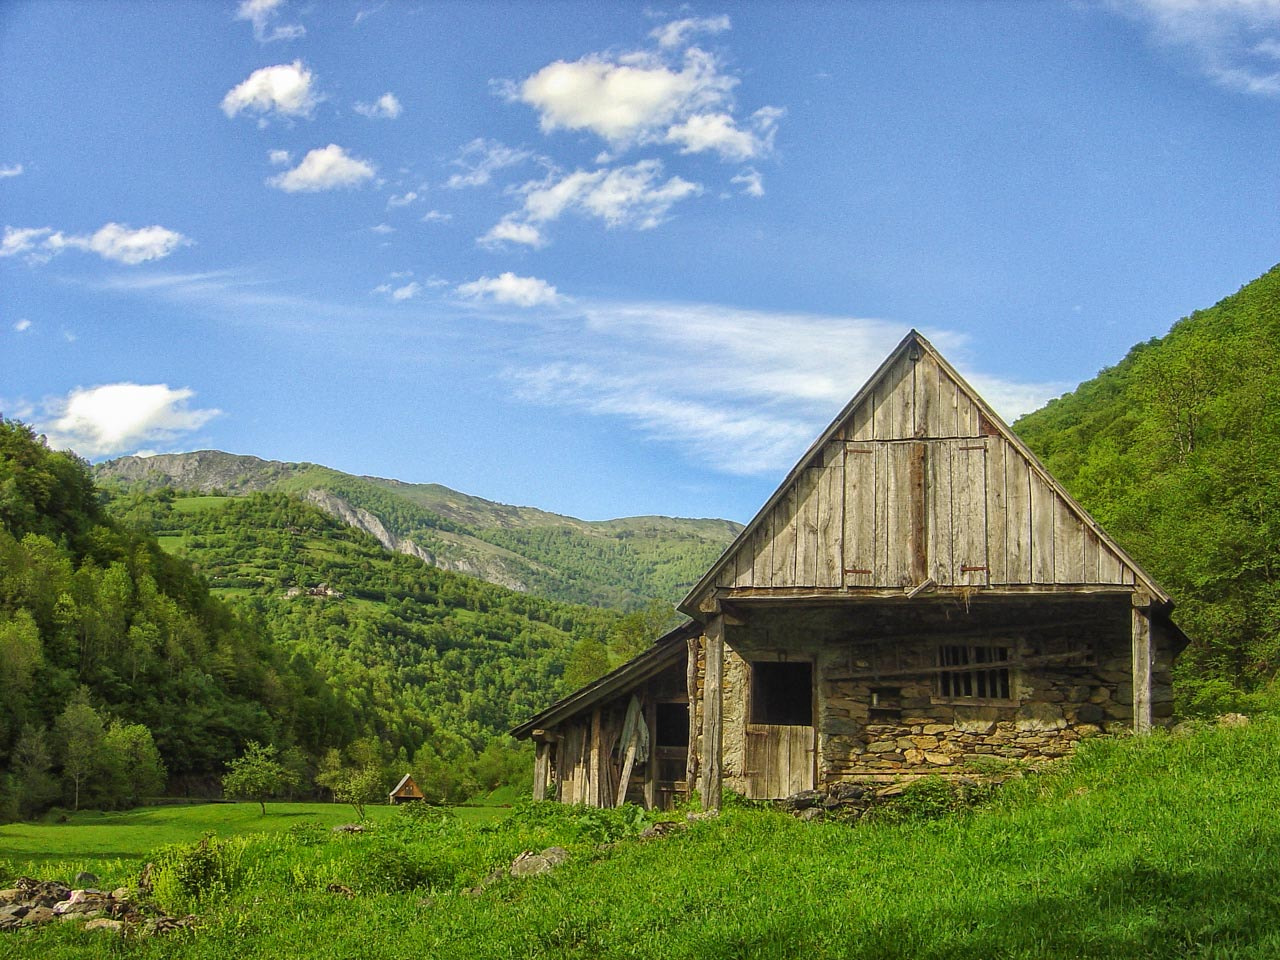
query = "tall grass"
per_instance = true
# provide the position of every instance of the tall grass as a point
(1155, 848)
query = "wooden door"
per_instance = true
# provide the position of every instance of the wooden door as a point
(780, 760)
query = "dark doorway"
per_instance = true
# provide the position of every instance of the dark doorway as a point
(782, 693)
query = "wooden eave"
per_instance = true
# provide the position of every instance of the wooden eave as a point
(666, 651)
(690, 604)
(407, 778)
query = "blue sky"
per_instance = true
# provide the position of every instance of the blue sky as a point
(603, 259)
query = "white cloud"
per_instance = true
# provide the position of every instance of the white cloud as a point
(407, 292)
(508, 230)
(386, 107)
(325, 168)
(402, 200)
(1236, 43)
(751, 181)
(714, 131)
(508, 288)
(436, 216)
(12, 170)
(791, 374)
(631, 99)
(279, 158)
(383, 228)
(675, 33)
(481, 159)
(286, 90)
(117, 417)
(22, 326)
(632, 196)
(261, 13)
(113, 241)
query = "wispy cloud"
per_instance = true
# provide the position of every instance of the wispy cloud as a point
(11, 170)
(325, 168)
(22, 326)
(481, 159)
(113, 241)
(1236, 43)
(634, 196)
(117, 417)
(677, 32)
(263, 14)
(386, 107)
(750, 390)
(751, 182)
(286, 90)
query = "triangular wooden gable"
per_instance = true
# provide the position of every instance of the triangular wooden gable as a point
(918, 479)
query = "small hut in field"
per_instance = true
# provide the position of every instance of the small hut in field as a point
(918, 593)
(405, 791)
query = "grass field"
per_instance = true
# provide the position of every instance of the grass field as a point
(1160, 848)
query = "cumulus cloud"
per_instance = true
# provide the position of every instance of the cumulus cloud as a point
(675, 33)
(481, 159)
(325, 168)
(285, 90)
(792, 373)
(386, 107)
(407, 292)
(633, 196)
(12, 170)
(262, 14)
(645, 97)
(279, 158)
(112, 241)
(118, 417)
(1236, 43)
(508, 288)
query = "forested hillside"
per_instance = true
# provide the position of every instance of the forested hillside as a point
(1176, 450)
(622, 563)
(105, 634)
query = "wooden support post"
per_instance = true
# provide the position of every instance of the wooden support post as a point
(713, 715)
(541, 764)
(691, 685)
(651, 766)
(594, 795)
(1141, 671)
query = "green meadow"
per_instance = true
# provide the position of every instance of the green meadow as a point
(1163, 847)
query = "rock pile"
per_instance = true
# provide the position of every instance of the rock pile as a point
(32, 903)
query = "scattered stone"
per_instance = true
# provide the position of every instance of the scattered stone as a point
(530, 864)
(1233, 720)
(350, 828)
(103, 923)
(662, 828)
(85, 879)
(37, 916)
(120, 893)
(804, 800)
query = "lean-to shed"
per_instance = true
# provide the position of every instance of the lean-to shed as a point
(919, 592)
(405, 791)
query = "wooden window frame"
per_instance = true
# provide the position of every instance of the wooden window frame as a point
(991, 664)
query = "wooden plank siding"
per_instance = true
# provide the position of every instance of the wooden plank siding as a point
(917, 483)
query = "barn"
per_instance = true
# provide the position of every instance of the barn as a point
(917, 594)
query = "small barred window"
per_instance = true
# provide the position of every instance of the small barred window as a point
(962, 674)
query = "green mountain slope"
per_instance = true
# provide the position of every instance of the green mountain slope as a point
(1176, 450)
(614, 563)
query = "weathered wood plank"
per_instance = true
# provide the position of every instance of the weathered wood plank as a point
(927, 374)
(939, 503)
(917, 519)
(830, 558)
(1068, 544)
(1110, 567)
(969, 512)
(1092, 550)
(1042, 511)
(744, 565)
(762, 553)
(893, 417)
(541, 770)
(997, 529)
(1017, 502)
(808, 497)
(651, 765)
(694, 647)
(899, 515)
(782, 572)
(861, 421)
(861, 512)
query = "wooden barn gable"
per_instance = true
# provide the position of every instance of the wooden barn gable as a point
(918, 484)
